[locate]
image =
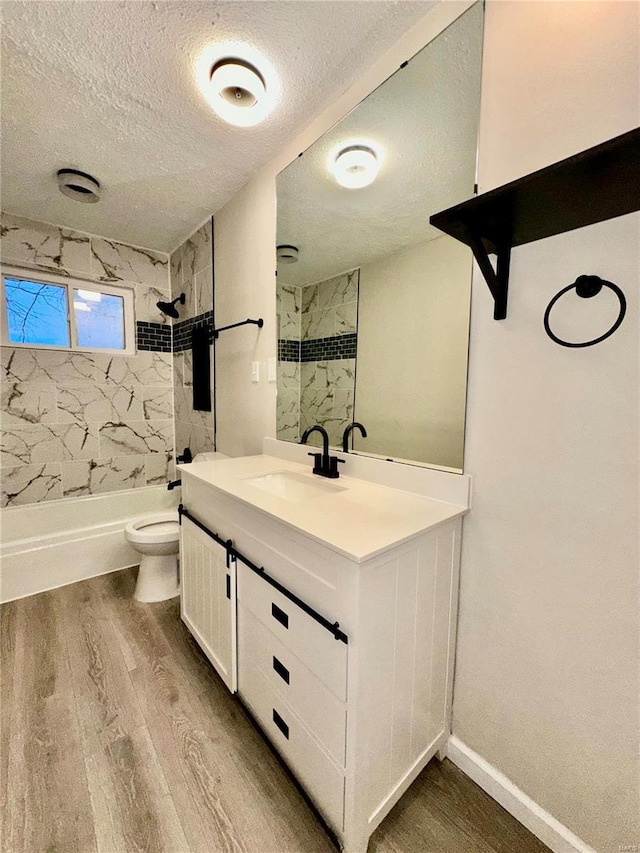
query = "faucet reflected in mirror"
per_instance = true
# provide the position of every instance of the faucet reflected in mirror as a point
(348, 431)
(323, 464)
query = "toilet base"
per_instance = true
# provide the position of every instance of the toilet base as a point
(157, 578)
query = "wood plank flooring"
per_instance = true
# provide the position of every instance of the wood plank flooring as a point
(118, 737)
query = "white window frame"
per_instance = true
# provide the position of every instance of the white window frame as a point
(70, 283)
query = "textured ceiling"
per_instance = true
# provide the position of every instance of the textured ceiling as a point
(109, 88)
(425, 119)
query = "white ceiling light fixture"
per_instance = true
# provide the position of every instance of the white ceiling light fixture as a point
(355, 166)
(78, 185)
(238, 92)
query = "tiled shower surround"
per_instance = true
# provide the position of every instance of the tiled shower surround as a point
(191, 267)
(317, 341)
(86, 423)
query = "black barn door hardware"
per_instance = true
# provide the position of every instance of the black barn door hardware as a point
(232, 553)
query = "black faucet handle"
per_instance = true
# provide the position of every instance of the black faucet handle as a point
(317, 462)
(333, 467)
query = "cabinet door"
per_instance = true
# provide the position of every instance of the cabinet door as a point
(208, 599)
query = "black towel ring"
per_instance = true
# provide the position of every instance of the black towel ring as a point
(587, 286)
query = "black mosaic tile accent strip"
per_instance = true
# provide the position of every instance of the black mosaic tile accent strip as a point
(288, 350)
(153, 336)
(329, 349)
(182, 330)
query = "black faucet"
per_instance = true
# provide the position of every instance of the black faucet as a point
(323, 464)
(345, 437)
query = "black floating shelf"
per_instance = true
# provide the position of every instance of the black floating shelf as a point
(593, 186)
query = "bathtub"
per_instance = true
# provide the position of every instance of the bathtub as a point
(54, 543)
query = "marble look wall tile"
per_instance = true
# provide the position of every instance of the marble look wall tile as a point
(288, 427)
(336, 291)
(346, 318)
(289, 326)
(341, 373)
(309, 298)
(97, 476)
(203, 291)
(27, 402)
(129, 438)
(320, 372)
(20, 364)
(44, 246)
(147, 310)
(31, 484)
(335, 428)
(196, 251)
(78, 440)
(343, 405)
(111, 261)
(318, 324)
(157, 402)
(99, 403)
(159, 468)
(145, 368)
(175, 272)
(308, 376)
(288, 299)
(316, 405)
(29, 445)
(198, 438)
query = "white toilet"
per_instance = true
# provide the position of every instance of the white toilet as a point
(157, 538)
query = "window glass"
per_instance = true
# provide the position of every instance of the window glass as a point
(99, 319)
(36, 312)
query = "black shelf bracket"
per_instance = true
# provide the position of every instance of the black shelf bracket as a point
(498, 279)
(595, 185)
(216, 332)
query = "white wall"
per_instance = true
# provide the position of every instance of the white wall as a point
(547, 678)
(547, 669)
(413, 326)
(245, 287)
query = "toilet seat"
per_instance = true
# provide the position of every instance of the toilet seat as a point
(161, 527)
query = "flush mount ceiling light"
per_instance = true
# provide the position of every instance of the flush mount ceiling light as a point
(79, 186)
(287, 254)
(355, 166)
(238, 92)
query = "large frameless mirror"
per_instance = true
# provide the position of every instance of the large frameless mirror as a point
(373, 302)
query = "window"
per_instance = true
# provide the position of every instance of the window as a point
(48, 311)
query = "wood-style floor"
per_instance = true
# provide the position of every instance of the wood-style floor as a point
(118, 736)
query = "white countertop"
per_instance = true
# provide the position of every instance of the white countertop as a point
(360, 522)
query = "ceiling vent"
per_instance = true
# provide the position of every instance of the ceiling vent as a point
(79, 186)
(286, 254)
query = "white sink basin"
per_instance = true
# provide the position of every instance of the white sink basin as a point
(293, 487)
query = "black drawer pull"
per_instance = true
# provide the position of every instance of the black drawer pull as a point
(280, 615)
(228, 586)
(282, 671)
(280, 723)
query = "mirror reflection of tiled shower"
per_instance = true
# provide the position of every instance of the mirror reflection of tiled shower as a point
(317, 341)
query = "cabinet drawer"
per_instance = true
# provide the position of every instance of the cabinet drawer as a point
(314, 703)
(316, 647)
(321, 778)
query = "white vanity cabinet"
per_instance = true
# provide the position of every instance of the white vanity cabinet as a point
(355, 721)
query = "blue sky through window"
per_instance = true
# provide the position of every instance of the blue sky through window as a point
(36, 312)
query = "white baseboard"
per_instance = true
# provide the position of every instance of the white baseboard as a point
(538, 821)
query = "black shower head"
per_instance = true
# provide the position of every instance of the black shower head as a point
(169, 308)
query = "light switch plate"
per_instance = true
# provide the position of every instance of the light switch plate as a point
(271, 370)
